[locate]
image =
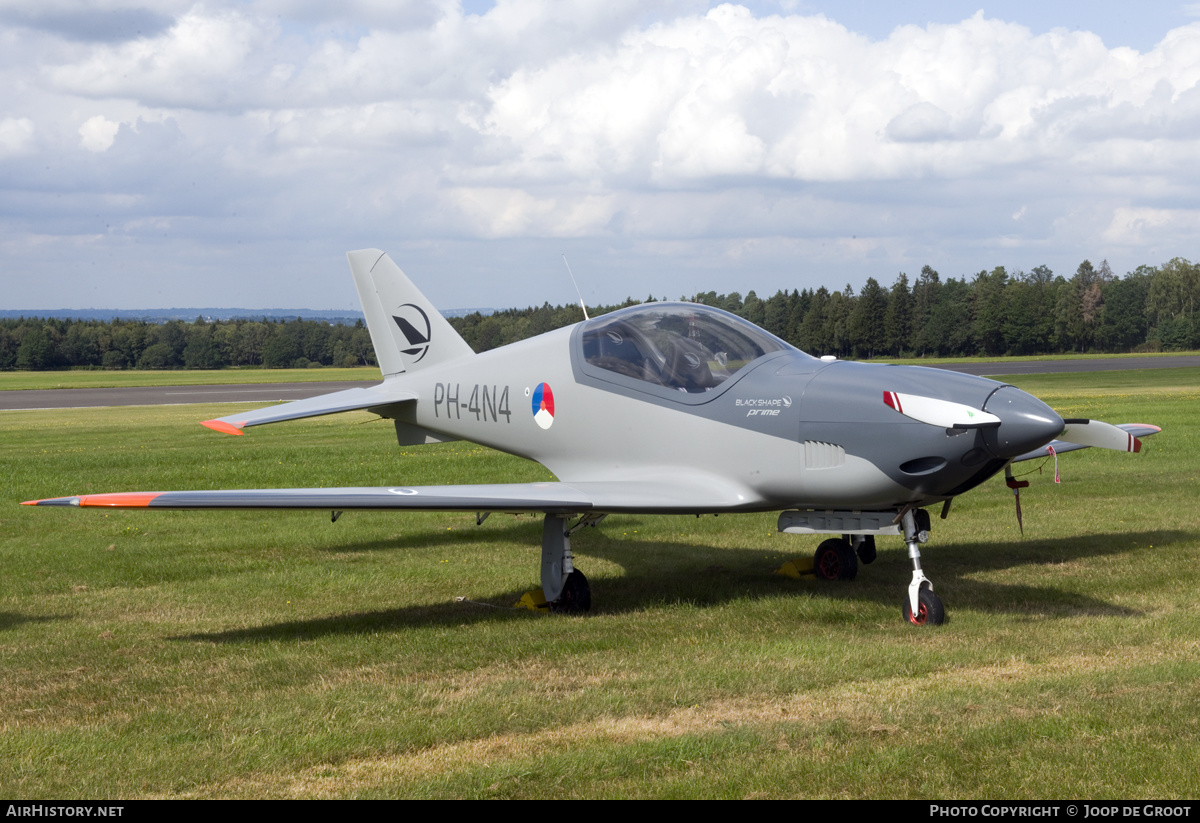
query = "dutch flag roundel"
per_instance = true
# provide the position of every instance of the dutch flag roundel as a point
(543, 405)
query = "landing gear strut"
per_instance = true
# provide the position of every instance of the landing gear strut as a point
(921, 607)
(564, 586)
(864, 547)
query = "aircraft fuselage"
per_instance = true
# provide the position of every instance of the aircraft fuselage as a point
(786, 430)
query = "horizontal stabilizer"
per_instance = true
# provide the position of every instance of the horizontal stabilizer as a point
(1125, 439)
(342, 401)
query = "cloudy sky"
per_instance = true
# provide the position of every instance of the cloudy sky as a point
(158, 153)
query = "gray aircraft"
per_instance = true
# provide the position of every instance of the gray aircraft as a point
(671, 408)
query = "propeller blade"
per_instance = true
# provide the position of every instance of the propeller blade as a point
(1099, 434)
(942, 413)
(1060, 446)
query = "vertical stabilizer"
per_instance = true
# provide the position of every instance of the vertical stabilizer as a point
(408, 333)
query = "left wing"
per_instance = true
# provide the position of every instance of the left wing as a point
(696, 495)
(549, 497)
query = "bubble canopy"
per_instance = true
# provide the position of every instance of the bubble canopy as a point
(683, 348)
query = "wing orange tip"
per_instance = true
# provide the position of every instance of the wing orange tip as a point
(116, 500)
(223, 427)
(119, 500)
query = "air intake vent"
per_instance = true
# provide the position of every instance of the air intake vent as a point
(923, 465)
(819, 455)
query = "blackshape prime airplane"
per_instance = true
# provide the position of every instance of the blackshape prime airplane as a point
(670, 408)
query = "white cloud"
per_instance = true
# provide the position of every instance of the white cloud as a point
(777, 143)
(16, 136)
(203, 60)
(1139, 226)
(515, 213)
(97, 133)
(804, 99)
(93, 20)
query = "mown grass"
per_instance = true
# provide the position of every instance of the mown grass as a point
(174, 654)
(102, 379)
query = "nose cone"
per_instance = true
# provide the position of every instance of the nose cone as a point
(1026, 423)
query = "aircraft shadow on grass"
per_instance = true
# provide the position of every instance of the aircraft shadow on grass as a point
(11, 620)
(661, 573)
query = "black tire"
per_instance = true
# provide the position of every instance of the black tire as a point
(866, 550)
(576, 597)
(930, 611)
(835, 560)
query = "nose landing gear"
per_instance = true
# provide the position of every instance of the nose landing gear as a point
(838, 558)
(921, 607)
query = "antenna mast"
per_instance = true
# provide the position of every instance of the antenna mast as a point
(576, 285)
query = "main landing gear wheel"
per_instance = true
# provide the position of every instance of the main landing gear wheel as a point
(835, 560)
(929, 609)
(576, 597)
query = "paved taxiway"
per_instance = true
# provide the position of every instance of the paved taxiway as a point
(168, 395)
(274, 392)
(1061, 366)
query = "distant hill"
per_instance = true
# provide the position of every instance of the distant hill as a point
(333, 316)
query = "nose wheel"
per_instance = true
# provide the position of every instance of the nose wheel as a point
(930, 611)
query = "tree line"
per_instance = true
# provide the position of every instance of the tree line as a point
(52, 343)
(1153, 308)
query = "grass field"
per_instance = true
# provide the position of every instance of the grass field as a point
(175, 654)
(101, 379)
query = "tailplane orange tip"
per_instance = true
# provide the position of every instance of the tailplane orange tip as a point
(222, 426)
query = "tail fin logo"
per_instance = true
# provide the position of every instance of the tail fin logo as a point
(414, 325)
